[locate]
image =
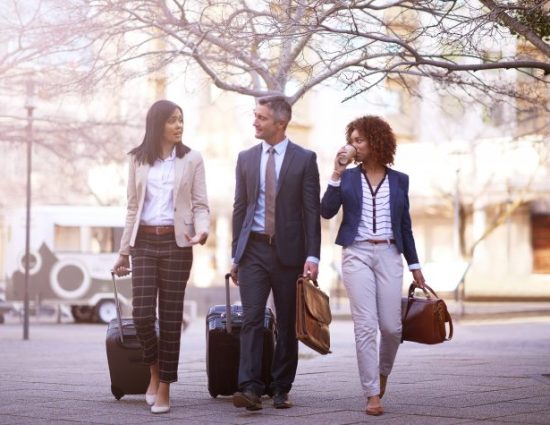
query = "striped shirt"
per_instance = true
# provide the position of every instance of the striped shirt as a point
(375, 220)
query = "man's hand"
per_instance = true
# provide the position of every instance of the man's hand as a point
(311, 270)
(234, 274)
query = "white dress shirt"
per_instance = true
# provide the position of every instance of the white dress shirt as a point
(158, 206)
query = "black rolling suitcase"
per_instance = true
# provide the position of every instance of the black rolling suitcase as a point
(129, 375)
(223, 327)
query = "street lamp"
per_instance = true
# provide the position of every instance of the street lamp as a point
(458, 154)
(456, 215)
(29, 106)
(460, 290)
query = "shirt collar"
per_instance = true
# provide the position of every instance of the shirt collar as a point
(170, 157)
(280, 148)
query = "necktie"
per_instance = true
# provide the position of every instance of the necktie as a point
(270, 190)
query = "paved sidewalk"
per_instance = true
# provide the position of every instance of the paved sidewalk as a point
(494, 372)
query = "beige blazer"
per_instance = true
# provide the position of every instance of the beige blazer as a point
(191, 213)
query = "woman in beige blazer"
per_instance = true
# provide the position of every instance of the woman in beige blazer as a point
(167, 214)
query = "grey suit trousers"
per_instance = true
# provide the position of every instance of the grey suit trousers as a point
(260, 272)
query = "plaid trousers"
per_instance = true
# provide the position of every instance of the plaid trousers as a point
(160, 267)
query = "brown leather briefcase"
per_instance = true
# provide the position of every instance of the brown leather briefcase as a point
(313, 315)
(424, 318)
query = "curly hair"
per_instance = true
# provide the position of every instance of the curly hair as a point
(379, 135)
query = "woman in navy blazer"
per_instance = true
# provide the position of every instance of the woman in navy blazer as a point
(375, 231)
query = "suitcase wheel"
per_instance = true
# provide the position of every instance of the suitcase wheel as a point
(212, 393)
(116, 392)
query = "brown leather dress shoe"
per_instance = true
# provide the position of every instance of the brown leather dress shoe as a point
(247, 399)
(281, 401)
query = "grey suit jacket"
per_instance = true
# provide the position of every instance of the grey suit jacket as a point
(297, 210)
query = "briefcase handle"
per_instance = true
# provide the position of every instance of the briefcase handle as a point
(117, 303)
(228, 324)
(428, 291)
(308, 277)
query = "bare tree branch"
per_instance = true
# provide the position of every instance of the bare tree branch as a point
(498, 14)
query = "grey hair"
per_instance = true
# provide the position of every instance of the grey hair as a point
(282, 111)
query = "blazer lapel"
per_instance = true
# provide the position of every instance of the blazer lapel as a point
(181, 174)
(356, 183)
(394, 188)
(255, 171)
(142, 173)
(287, 160)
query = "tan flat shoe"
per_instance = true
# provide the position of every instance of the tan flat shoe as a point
(375, 411)
(383, 382)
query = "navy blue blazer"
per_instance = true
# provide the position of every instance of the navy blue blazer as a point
(350, 195)
(297, 219)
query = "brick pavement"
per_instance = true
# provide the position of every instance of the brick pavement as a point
(493, 372)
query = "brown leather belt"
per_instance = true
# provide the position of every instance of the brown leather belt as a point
(156, 230)
(377, 241)
(262, 237)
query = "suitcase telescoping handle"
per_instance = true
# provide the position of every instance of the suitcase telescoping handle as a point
(117, 303)
(227, 305)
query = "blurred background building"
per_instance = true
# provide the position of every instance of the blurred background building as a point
(479, 174)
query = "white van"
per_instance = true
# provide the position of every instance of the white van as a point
(72, 251)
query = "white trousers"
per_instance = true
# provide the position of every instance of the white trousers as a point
(373, 276)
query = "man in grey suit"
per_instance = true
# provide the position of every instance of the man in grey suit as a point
(276, 237)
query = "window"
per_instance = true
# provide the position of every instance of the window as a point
(67, 238)
(452, 106)
(101, 240)
(494, 114)
(95, 240)
(540, 239)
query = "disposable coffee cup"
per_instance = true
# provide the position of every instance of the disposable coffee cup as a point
(349, 155)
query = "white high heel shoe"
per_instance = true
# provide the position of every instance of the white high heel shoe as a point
(160, 409)
(150, 399)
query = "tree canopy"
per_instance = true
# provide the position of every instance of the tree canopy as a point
(291, 46)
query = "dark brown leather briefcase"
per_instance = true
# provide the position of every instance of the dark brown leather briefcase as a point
(425, 318)
(313, 315)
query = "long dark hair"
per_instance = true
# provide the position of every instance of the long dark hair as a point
(149, 150)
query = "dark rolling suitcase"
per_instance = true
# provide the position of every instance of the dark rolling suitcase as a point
(129, 375)
(223, 327)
